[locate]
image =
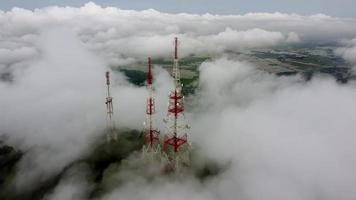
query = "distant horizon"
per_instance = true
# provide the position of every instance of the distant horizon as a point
(342, 8)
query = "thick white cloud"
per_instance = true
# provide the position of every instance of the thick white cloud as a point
(289, 139)
(348, 52)
(122, 37)
(55, 107)
(293, 38)
(11, 56)
(73, 186)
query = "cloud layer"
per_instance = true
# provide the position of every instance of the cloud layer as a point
(289, 139)
(122, 37)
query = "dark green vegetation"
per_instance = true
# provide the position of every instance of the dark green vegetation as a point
(188, 65)
(108, 165)
(135, 77)
(189, 85)
(106, 154)
(8, 159)
(138, 78)
(97, 162)
(190, 62)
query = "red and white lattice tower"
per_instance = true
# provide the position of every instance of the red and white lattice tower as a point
(175, 142)
(151, 134)
(110, 111)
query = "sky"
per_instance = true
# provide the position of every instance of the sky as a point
(340, 8)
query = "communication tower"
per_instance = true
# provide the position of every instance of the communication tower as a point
(175, 141)
(111, 135)
(151, 134)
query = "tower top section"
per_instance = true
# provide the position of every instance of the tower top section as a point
(107, 75)
(175, 71)
(150, 77)
(175, 48)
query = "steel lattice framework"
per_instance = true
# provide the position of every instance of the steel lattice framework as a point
(110, 111)
(176, 138)
(151, 134)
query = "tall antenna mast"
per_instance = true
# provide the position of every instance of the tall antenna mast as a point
(151, 134)
(175, 142)
(176, 71)
(110, 111)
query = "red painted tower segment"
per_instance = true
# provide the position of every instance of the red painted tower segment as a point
(176, 137)
(151, 134)
(175, 109)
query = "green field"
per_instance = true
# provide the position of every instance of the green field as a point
(189, 72)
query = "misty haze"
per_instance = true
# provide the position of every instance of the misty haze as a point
(149, 101)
